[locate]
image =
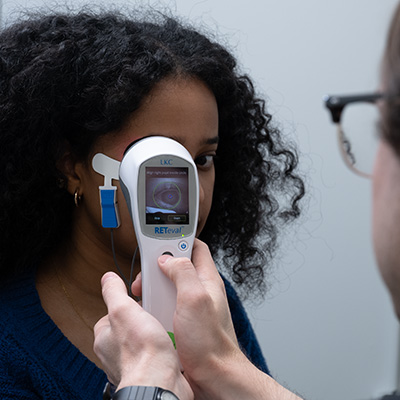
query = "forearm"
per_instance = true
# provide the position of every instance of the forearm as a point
(236, 379)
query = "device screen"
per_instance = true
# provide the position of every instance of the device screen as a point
(167, 195)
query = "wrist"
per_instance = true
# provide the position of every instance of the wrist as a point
(218, 376)
(151, 371)
(143, 393)
(150, 380)
(156, 372)
(236, 378)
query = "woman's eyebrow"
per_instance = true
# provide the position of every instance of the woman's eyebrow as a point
(213, 140)
(208, 141)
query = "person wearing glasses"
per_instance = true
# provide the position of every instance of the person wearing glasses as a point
(130, 342)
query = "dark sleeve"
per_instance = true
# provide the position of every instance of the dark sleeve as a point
(393, 396)
(244, 331)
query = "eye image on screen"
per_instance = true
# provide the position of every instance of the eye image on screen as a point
(167, 199)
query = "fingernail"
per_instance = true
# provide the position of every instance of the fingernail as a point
(107, 276)
(164, 258)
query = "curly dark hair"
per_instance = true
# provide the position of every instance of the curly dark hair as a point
(68, 78)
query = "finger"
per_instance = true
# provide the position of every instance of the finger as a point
(179, 270)
(191, 290)
(114, 291)
(183, 272)
(203, 261)
(206, 269)
(136, 286)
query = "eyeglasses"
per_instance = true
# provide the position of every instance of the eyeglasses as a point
(357, 119)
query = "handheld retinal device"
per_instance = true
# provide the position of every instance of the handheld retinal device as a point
(159, 181)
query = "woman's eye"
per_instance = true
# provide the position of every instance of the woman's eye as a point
(205, 162)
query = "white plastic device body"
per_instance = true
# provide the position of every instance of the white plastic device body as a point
(160, 184)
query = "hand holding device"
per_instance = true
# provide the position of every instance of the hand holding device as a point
(134, 349)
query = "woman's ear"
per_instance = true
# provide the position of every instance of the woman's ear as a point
(70, 169)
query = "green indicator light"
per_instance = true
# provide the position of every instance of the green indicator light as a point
(172, 336)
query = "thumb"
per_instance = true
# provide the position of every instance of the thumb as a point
(113, 290)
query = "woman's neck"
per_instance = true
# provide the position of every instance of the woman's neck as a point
(68, 283)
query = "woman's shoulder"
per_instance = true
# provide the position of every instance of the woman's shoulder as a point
(17, 294)
(19, 304)
(13, 354)
(238, 312)
(392, 396)
(244, 331)
(35, 355)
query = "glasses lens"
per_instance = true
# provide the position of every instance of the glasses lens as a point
(359, 138)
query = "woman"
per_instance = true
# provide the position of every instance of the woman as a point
(74, 85)
(220, 369)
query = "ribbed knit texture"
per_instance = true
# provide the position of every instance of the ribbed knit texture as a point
(243, 329)
(38, 362)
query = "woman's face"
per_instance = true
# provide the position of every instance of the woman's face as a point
(386, 219)
(184, 110)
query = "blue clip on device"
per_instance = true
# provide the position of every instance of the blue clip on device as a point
(109, 168)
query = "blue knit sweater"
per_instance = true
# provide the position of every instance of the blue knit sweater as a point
(38, 362)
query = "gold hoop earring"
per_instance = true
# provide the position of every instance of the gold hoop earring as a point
(77, 198)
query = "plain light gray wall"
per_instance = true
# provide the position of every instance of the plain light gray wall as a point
(326, 327)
